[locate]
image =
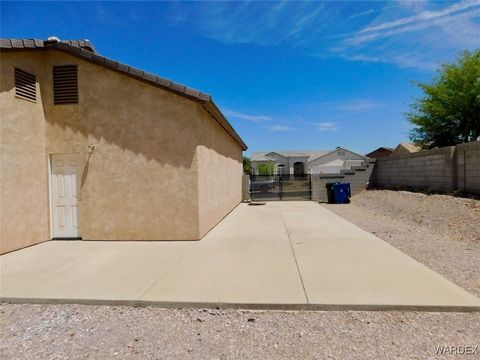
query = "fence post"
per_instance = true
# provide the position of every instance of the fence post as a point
(310, 184)
(280, 186)
(453, 164)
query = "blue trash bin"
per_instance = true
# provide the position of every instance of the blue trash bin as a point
(331, 192)
(342, 193)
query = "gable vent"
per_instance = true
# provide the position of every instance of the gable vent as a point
(65, 84)
(25, 85)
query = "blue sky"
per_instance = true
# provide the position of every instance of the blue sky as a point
(288, 75)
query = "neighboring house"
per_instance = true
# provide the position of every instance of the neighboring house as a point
(307, 162)
(405, 148)
(380, 152)
(97, 149)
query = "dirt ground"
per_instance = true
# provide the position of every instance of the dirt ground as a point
(439, 231)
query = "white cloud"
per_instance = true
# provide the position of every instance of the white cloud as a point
(359, 105)
(405, 60)
(354, 106)
(391, 30)
(248, 117)
(417, 5)
(326, 126)
(304, 21)
(371, 11)
(412, 61)
(280, 128)
(420, 36)
(424, 16)
(408, 34)
(253, 22)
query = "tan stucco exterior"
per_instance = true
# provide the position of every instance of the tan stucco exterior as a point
(405, 148)
(24, 217)
(162, 168)
(217, 156)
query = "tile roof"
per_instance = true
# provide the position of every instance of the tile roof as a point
(311, 154)
(410, 147)
(86, 44)
(84, 49)
(260, 157)
(379, 149)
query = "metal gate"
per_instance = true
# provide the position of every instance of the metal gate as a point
(280, 187)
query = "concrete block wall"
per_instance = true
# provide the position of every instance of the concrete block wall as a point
(245, 187)
(448, 169)
(358, 177)
(468, 167)
(429, 169)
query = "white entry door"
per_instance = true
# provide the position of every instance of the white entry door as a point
(65, 188)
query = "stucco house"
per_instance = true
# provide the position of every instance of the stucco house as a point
(95, 149)
(307, 162)
(405, 148)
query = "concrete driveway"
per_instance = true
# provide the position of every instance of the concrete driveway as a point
(295, 255)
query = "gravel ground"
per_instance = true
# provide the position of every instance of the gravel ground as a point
(440, 231)
(437, 230)
(105, 332)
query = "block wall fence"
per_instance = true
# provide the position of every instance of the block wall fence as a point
(358, 177)
(451, 168)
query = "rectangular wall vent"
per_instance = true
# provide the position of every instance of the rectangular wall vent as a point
(25, 85)
(65, 84)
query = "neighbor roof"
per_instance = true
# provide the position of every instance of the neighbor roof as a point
(85, 50)
(379, 149)
(312, 155)
(410, 147)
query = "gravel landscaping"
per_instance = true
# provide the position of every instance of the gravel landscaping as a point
(105, 332)
(439, 231)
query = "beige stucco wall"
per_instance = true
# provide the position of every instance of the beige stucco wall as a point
(403, 150)
(220, 171)
(24, 218)
(142, 182)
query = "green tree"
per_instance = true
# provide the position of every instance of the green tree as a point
(266, 169)
(449, 111)
(247, 166)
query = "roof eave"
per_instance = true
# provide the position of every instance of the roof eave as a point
(204, 99)
(213, 110)
(131, 71)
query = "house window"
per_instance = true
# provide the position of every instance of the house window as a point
(280, 169)
(25, 85)
(65, 84)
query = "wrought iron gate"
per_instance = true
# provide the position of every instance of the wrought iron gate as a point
(280, 187)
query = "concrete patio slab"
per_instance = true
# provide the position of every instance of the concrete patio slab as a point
(361, 268)
(295, 255)
(244, 260)
(87, 269)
